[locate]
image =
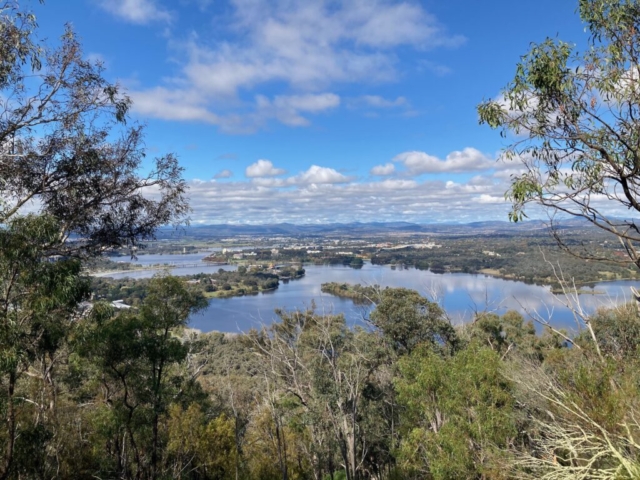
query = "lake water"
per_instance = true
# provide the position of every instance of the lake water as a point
(460, 294)
(173, 264)
(153, 259)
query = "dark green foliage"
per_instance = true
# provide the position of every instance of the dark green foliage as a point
(40, 293)
(136, 354)
(408, 320)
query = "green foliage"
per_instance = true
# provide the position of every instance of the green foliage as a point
(509, 334)
(408, 320)
(575, 120)
(361, 295)
(205, 449)
(136, 355)
(458, 414)
(39, 296)
(618, 332)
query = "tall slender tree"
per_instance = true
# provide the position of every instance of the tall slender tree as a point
(573, 120)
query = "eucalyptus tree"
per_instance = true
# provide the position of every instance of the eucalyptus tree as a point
(65, 149)
(407, 320)
(572, 119)
(67, 157)
(328, 375)
(458, 416)
(137, 354)
(37, 301)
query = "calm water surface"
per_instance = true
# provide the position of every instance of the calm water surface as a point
(460, 294)
(175, 264)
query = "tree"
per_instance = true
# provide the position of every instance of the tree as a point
(38, 299)
(60, 150)
(325, 377)
(582, 415)
(203, 449)
(135, 353)
(407, 319)
(576, 118)
(457, 416)
(64, 152)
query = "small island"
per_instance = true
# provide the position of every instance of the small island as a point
(361, 295)
(246, 280)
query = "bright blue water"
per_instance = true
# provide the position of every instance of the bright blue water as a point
(460, 294)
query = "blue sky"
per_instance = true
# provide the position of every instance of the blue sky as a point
(320, 111)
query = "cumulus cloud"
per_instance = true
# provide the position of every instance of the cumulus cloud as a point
(323, 195)
(167, 104)
(136, 11)
(311, 178)
(271, 200)
(263, 168)
(319, 175)
(491, 199)
(383, 170)
(223, 174)
(466, 160)
(302, 47)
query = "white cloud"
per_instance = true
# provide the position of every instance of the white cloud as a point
(288, 108)
(169, 104)
(383, 170)
(262, 168)
(223, 174)
(136, 11)
(311, 178)
(305, 199)
(304, 48)
(490, 199)
(185, 105)
(466, 160)
(319, 175)
(324, 195)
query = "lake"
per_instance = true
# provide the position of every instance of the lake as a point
(172, 262)
(460, 294)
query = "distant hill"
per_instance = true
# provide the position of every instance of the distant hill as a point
(372, 228)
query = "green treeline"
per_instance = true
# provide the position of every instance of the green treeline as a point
(527, 260)
(134, 394)
(360, 294)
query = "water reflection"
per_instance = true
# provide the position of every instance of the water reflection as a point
(182, 264)
(460, 294)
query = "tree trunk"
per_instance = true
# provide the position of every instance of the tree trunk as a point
(11, 427)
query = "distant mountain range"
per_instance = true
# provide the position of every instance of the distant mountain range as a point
(358, 228)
